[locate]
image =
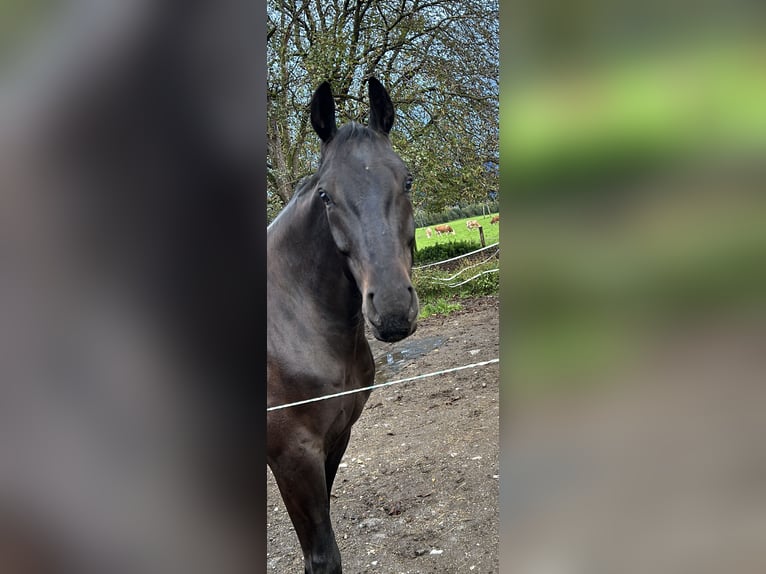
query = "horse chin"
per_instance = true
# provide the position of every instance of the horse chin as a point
(392, 331)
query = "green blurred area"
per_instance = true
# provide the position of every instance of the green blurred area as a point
(633, 193)
(584, 128)
(588, 297)
(20, 20)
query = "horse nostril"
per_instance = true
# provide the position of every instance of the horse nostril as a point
(372, 313)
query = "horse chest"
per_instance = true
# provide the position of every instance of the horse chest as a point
(325, 374)
(309, 371)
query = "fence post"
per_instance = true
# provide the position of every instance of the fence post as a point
(481, 236)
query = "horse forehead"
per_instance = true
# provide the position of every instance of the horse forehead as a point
(373, 172)
(357, 154)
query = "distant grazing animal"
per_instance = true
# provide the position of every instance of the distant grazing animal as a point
(339, 253)
(429, 232)
(443, 229)
(495, 219)
(473, 224)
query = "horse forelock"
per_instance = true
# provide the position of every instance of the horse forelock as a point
(351, 139)
(351, 134)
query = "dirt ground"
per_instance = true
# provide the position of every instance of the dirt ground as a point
(417, 491)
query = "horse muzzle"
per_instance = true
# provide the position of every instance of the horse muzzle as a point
(391, 318)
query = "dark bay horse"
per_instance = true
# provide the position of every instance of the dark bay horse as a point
(339, 253)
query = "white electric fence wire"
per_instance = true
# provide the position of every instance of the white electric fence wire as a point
(496, 243)
(456, 275)
(474, 277)
(386, 384)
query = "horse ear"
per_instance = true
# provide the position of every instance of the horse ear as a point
(323, 112)
(381, 107)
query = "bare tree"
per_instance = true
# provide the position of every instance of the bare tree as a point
(439, 60)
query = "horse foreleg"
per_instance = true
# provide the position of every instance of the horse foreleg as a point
(300, 476)
(334, 458)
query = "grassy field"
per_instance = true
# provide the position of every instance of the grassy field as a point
(462, 233)
(434, 285)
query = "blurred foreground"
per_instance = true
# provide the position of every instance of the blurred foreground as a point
(664, 475)
(634, 384)
(131, 292)
(634, 292)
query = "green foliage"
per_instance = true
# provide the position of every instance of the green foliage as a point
(433, 284)
(442, 251)
(441, 306)
(485, 284)
(471, 211)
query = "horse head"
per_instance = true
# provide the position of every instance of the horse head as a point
(365, 189)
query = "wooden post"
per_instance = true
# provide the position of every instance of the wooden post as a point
(481, 236)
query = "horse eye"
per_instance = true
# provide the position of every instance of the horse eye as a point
(408, 184)
(324, 196)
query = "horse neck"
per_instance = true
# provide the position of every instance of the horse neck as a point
(302, 247)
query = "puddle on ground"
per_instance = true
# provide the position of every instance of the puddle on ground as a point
(402, 353)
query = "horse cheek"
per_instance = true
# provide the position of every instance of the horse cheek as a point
(341, 240)
(338, 232)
